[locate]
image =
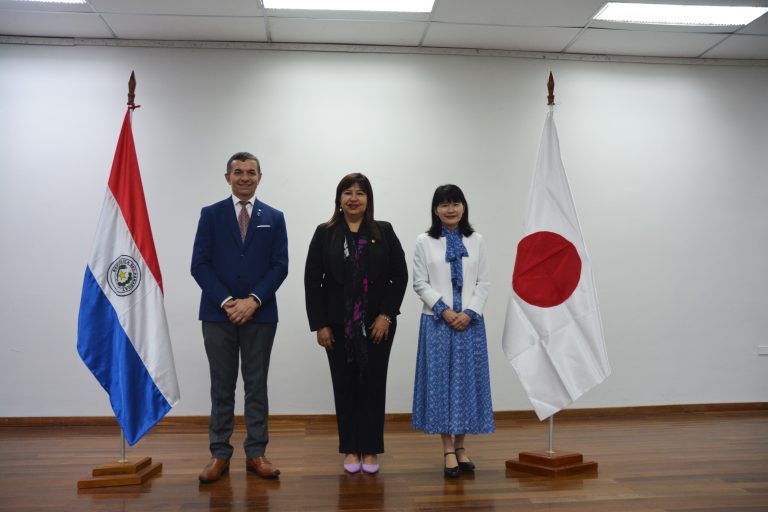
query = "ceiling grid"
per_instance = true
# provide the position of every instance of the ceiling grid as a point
(551, 27)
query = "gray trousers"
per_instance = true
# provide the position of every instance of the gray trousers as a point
(226, 345)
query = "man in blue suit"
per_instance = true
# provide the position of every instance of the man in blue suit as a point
(240, 258)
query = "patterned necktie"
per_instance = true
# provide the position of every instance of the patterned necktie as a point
(243, 218)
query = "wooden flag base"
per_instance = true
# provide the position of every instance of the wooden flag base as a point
(131, 472)
(555, 463)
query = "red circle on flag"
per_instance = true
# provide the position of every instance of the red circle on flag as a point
(547, 269)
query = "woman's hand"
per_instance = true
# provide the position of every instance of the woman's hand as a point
(456, 321)
(462, 321)
(379, 329)
(325, 338)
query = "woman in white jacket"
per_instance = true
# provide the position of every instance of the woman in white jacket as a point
(452, 393)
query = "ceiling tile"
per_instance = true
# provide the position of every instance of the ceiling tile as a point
(199, 28)
(189, 7)
(740, 47)
(499, 38)
(300, 30)
(758, 27)
(52, 24)
(650, 44)
(544, 13)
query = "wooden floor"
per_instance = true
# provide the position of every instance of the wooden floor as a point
(713, 462)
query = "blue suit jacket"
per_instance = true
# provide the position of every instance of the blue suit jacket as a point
(225, 266)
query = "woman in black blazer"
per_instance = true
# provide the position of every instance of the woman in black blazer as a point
(354, 281)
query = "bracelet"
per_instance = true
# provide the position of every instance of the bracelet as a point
(386, 317)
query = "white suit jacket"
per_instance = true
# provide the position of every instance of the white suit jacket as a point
(432, 274)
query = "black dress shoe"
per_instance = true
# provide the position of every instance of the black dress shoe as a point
(465, 466)
(450, 472)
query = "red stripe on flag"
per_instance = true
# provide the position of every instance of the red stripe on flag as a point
(125, 184)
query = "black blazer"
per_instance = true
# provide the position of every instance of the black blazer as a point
(324, 275)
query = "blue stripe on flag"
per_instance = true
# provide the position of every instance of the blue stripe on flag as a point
(106, 350)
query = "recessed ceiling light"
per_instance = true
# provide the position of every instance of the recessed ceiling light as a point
(353, 5)
(667, 14)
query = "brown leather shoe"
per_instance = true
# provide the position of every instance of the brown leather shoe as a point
(262, 467)
(214, 470)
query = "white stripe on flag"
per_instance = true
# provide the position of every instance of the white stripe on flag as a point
(141, 314)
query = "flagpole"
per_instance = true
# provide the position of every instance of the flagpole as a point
(122, 459)
(131, 106)
(551, 425)
(551, 462)
(551, 435)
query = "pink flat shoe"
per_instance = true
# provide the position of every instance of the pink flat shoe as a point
(352, 468)
(371, 469)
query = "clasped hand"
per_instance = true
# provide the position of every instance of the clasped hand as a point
(378, 332)
(457, 321)
(240, 311)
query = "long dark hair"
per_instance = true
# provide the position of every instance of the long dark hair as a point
(347, 181)
(449, 194)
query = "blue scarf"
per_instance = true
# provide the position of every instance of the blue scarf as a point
(454, 251)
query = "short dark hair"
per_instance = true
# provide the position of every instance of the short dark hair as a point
(347, 181)
(242, 156)
(453, 194)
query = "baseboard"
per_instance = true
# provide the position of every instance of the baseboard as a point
(183, 421)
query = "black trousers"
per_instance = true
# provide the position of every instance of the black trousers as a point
(226, 345)
(360, 401)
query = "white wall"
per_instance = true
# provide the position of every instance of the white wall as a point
(668, 165)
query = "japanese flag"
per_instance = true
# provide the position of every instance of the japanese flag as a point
(553, 336)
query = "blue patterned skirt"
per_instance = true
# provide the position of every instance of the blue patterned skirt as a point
(452, 393)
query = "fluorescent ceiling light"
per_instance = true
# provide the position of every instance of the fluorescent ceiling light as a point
(353, 5)
(664, 14)
(54, 1)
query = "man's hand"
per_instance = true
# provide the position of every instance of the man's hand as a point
(240, 311)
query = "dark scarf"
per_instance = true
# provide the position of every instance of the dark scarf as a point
(356, 296)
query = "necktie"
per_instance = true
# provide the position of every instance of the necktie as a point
(243, 218)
